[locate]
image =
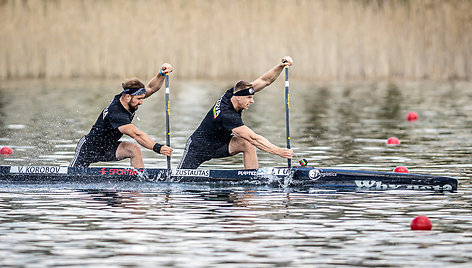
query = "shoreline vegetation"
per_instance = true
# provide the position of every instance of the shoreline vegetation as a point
(218, 39)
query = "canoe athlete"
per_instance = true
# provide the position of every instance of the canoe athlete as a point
(102, 143)
(222, 132)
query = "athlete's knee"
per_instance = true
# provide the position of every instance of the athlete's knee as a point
(240, 145)
(251, 147)
(135, 149)
(128, 149)
(247, 147)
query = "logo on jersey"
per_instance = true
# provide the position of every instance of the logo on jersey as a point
(105, 112)
(216, 108)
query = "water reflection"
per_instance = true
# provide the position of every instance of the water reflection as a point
(134, 200)
(215, 227)
(3, 115)
(347, 124)
(229, 197)
(315, 112)
(391, 106)
(113, 198)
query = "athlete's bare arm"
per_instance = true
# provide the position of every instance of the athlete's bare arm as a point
(142, 138)
(156, 83)
(270, 76)
(261, 143)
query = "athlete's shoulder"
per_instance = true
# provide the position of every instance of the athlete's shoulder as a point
(116, 106)
(114, 109)
(219, 104)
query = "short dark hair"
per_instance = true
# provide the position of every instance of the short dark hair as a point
(241, 85)
(133, 83)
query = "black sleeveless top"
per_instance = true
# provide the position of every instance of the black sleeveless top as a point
(105, 130)
(216, 128)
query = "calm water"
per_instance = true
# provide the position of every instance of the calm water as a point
(336, 125)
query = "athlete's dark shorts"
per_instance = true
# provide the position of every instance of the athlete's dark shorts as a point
(88, 152)
(195, 154)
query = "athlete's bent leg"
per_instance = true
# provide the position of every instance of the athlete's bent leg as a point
(240, 145)
(131, 151)
(80, 157)
(189, 162)
(190, 157)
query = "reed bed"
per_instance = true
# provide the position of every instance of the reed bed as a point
(336, 39)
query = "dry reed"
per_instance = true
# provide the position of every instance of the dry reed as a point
(336, 39)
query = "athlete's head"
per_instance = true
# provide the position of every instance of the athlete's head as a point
(242, 85)
(243, 94)
(133, 93)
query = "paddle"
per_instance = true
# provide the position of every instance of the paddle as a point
(168, 122)
(287, 113)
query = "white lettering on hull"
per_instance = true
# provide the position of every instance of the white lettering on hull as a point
(191, 172)
(247, 173)
(38, 170)
(316, 174)
(273, 171)
(378, 185)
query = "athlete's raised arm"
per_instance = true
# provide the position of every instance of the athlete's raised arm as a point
(270, 76)
(156, 83)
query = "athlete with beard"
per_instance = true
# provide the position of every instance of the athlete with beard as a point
(102, 143)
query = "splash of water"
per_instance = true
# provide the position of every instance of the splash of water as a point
(287, 180)
(283, 181)
(142, 175)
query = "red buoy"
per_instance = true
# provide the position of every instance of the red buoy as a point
(401, 169)
(421, 222)
(393, 141)
(6, 151)
(412, 116)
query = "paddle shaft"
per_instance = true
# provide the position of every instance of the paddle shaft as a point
(287, 114)
(167, 120)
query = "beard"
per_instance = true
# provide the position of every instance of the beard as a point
(132, 108)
